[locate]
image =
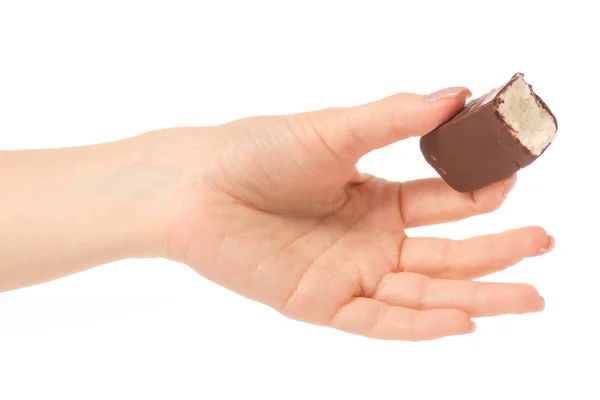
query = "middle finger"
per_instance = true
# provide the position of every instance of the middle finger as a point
(474, 257)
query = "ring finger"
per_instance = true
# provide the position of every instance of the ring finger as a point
(478, 299)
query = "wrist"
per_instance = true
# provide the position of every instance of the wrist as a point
(179, 162)
(77, 208)
(142, 194)
(122, 195)
(169, 165)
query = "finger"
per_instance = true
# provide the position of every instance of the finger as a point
(479, 299)
(432, 201)
(376, 319)
(474, 257)
(351, 132)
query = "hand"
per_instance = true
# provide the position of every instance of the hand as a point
(274, 208)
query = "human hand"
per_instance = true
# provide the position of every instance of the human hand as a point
(274, 209)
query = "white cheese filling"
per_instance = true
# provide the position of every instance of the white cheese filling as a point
(532, 125)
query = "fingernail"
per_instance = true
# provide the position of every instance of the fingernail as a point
(509, 185)
(449, 93)
(541, 304)
(473, 327)
(547, 248)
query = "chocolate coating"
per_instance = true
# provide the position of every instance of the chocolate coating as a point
(477, 147)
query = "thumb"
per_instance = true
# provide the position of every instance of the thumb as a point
(351, 132)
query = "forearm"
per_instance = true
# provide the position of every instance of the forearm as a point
(65, 210)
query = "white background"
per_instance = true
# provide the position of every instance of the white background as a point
(81, 72)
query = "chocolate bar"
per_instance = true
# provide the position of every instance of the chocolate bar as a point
(492, 137)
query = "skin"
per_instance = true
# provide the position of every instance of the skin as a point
(273, 208)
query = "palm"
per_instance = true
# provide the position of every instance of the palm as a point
(356, 265)
(320, 247)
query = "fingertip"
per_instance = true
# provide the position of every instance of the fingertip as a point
(538, 233)
(506, 298)
(449, 322)
(489, 198)
(541, 304)
(444, 104)
(509, 184)
(531, 300)
(530, 240)
(472, 328)
(464, 323)
(454, 93)
(441, 111)
(527, 299)
(497, 192)
(547, 247)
